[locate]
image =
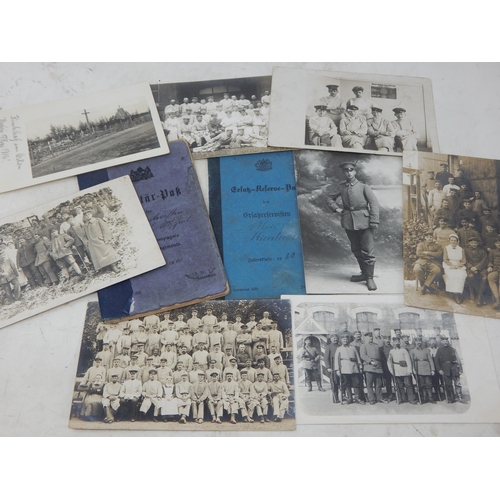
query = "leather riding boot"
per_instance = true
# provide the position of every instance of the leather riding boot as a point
(358, 278)
(370, 284)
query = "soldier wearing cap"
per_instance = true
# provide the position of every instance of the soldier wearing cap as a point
(446, 212)
(183, 393)
(215, 394)
(194, 321)
(143, 375)
(111, 398)
(449, 366)
(380, 131)
(427, 268)
(185, 339)
(117, 370)
(400, 366)
(359, 211)
(329, 357)
(353, 128)
(214, 338)
(281, 369)
(130, 393)
(200, 395)
(231, 396)
(310, 357)
(442, 232)
(423, 369)
(245, 387)
(209, 320)
(152, 392)
(494, 272)
(335, 106)
(348, 367)
(372, 357)
(476, 258)
(95, 369)
(322, 130)
(163, 371)
(259, 402)
(279, 397)
(406, 133)
(364, 105)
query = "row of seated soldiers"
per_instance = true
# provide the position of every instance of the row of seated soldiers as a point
(481, 257)
(206, 334)
(152, 393)
(409, 371)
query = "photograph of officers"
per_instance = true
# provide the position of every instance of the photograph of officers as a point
(452, 241)
(356, 122)
(67, 245)
(189, 365)
(377, 363)
(217, 120)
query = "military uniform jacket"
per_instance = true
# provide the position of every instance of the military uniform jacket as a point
(372, 356)
(347, 360)
(434, 253)
(476, 257)
(494, 260)
(330, 351)
(310, 358)
(447, 360)
(399, 362)
(423, 364)
(360, 207)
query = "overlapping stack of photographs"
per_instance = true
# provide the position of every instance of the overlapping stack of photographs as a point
(336, 188)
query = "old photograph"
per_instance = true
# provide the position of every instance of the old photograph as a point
(86, 132)
(71, 247)
(381, 361)
(350, 221)
(216, 117)
(452, 233)
(377, 113)
(220, 365)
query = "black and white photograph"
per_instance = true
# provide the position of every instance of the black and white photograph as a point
(336, 111)
(452, 233)
(216, 117)
(350, 209)
(219, 365)
(381, 360)
(86, 132)
(71, 247)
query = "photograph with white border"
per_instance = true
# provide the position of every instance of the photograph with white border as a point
(57, 139)
(73, 246)
(461, 385)
(360, 112)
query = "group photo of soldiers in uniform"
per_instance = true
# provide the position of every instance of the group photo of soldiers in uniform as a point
(350, 354)
(365, 116)
(222, 362)
(224, 116)
(62, 250)
(452, 235)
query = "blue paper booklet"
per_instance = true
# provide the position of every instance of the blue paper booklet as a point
(253, 208)
(172, 199)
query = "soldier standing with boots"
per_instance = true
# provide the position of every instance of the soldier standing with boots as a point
(330, 351)
(360, 216)
(310, 357)
(449, 366)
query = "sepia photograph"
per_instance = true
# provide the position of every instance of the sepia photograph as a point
(350, 221)
(216, 117)
(360, 112)
(83, 133)
(380, 361)
(219, 365)
(71, 247)
(452, 233)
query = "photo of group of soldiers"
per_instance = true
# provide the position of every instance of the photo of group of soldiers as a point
(452, 246)
(375, 367)
(207, 124)
(66, 245)
(185, 366)
(357, 123)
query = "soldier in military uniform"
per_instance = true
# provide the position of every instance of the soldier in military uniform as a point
(322, 130)
(310, 361)
(423, 369)
(335, 106)
(353, 128)
(372, 356)
(330, 351)
(449, 366)
(348, 367)
(476, 264)
(400, 366)
(428, 266)
(359, 211)
(406, 133)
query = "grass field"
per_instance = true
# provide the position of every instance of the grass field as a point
(124, 143)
